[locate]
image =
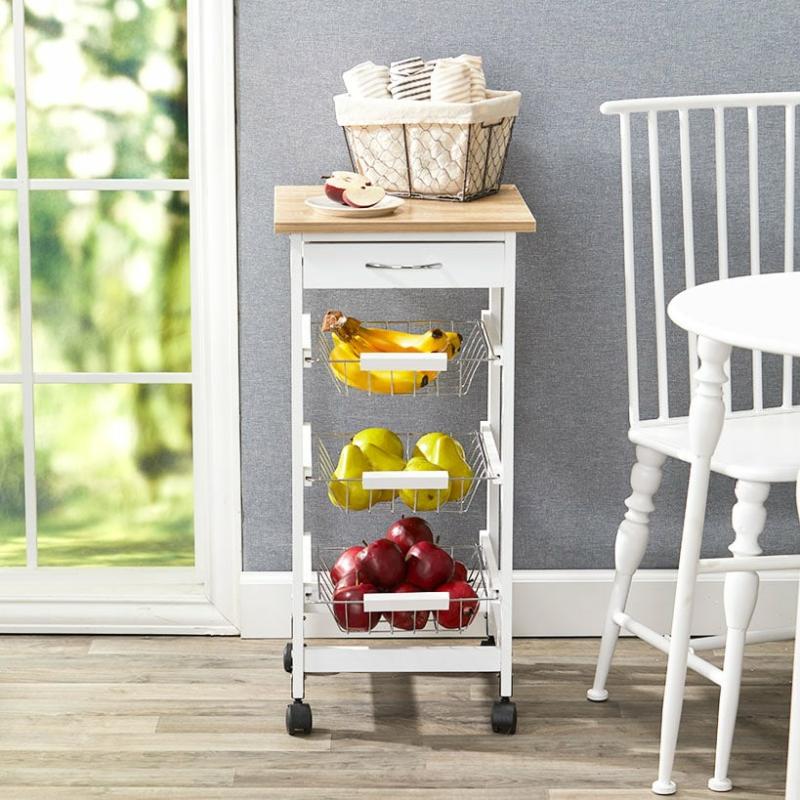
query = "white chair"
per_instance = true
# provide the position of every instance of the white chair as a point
(758, 447)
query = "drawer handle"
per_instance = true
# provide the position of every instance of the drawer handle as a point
(379, 265)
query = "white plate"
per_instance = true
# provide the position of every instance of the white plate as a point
(325, 205)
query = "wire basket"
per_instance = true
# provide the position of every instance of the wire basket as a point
(471, 556)
(429, 150)
(456, 380)
(432, 161)
(357, 498)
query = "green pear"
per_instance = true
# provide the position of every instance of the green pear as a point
(449, 454)
(383, 462)
(345, 489)
(423, 499)
(380, 437)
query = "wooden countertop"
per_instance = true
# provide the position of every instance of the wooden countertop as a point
(505, 211)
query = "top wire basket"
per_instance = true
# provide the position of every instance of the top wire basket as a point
(448, 378)
(432, 151)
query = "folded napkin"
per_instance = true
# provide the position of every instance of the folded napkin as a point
(477, 81)
(451, 82)
(410, 79)
(367, 80)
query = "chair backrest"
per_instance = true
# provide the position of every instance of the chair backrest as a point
(718, 105)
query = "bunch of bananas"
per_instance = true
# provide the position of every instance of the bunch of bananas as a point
(351, 339)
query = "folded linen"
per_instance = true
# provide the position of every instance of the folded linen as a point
(410, 79)
(451, 82)
(367, 80)
(477, 90)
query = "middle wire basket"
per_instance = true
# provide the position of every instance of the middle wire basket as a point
(456, 379)
(361, 493)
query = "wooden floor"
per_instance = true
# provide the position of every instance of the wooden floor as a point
(197, 718)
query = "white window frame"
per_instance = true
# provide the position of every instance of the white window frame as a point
(202, 599)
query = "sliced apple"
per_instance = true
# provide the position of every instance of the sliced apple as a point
(339, 181)
(359, 195)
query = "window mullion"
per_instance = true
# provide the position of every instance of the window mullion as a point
(25, 306)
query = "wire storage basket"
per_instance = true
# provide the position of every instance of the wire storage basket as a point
(354, 494)
(463, 612)
(428, 150)
(456, 380)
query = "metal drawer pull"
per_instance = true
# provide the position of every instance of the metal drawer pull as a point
(378, 265)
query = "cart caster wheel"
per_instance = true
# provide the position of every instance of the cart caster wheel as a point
(504, 716)
(488, 642)
(298, 718)
(287, 657)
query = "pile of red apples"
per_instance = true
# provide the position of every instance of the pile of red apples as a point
(406, 559)
(352, 189)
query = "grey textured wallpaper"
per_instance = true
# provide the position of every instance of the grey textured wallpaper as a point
(573, 457)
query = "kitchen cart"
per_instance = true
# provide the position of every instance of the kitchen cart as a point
(425, 244)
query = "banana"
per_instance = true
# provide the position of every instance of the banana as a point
(385, 340)
(345, 367)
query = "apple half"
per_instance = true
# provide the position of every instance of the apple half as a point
(341, 180)
(360, 195)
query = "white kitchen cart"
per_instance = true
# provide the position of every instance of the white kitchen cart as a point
(426, 244)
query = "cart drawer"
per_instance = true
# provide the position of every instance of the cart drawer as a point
(392, 265)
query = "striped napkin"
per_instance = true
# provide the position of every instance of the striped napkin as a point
(410, 79)
(451, 82)
(367, 80)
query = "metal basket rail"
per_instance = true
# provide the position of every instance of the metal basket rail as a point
(471, 556)
(455, 381)
(328, 446)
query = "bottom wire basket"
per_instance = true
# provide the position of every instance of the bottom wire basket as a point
(423, 613)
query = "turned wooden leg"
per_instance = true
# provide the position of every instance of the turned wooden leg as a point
(741, 593)
(631, 543)
(706, 417)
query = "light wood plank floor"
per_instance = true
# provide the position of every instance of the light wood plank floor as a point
(196, 718)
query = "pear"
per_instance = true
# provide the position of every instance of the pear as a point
(383, 462)
(345, 489)
(423, 499)
(380, 437)
(425, 445)
(449, 454)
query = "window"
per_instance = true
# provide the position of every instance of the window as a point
(96, 328)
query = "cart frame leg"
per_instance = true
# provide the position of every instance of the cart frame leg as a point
(298, 586)
(507, 455)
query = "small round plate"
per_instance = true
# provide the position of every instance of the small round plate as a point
(325, 205)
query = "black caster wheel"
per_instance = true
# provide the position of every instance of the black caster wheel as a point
(504, 716)
(298, 718)
(488, 642)
(287, 657)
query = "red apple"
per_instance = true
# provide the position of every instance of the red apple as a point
(348, 607)
(459, 571)
(339, 181)
(428, 565)
(351, 579)
(362, 195)
(345, 563)
(407, 620)
(381, 563)
(463, 605)
(407, 531)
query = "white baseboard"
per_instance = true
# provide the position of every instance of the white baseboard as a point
(546, 603)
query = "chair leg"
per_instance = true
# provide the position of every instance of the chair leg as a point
(629, 550)
(706, 417)
(741, 592)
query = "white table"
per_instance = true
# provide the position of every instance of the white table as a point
(759, 312)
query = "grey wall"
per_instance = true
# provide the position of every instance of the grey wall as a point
(566, 58)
